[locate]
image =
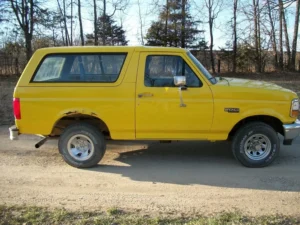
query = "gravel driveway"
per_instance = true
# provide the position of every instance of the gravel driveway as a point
(180, 178)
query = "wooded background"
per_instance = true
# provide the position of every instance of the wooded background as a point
(262, 35)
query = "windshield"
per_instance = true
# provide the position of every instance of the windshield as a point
(212, 79)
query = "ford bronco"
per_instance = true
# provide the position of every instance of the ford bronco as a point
(86, 95)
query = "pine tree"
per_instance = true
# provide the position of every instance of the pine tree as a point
(175, 26)
(113, 33)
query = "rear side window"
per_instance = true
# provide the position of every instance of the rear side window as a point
(104, 68)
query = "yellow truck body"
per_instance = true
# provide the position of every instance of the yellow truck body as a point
(128, 109)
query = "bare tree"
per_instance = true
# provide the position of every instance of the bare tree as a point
(143, 15)
(280, 39)
(63, 15)
(183, 17)
(104, 22)
(25, 12)
(141, 22)
(166, 21)
(95, 23)
(235, 6)
(295, 37)
(272, 34)
(71, 41)
(214, 7)
(257, 35)
(80, 23)
(287, 42)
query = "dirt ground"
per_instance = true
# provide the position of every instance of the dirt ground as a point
(183, 178)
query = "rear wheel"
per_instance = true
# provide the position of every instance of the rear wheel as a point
(256, 145)
(82, 145)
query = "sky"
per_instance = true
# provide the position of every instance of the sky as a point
(222, 30)
(129, 19)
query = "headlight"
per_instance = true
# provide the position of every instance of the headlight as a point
(295, 108)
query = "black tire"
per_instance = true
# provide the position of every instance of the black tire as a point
(244, 134)
(86, 130)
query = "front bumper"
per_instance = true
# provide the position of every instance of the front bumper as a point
(291, 131)
(13, 133)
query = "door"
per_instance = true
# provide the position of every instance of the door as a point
(159, 112)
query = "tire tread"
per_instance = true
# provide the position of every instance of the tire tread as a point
(100, 147)
(245, 130)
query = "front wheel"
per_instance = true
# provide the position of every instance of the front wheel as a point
(256, 145)
(82, 145)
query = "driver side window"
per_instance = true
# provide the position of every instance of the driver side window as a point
(161, 69)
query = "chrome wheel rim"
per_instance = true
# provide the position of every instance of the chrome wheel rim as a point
(257, 147)
(80, 147)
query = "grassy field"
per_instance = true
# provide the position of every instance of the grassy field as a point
(114, 216)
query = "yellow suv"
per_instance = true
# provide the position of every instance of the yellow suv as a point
(86, 95)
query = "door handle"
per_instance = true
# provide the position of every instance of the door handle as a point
(146, 94)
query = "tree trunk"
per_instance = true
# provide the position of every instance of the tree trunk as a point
(212, 60)
(287, 42)
(260, 62)
(17, 65)
(24, 15)
(256, 36)
(295, 37)
(53, 37)
(166, 23)
(28, 39)
(95, 24)
(235, 5)
(183, 5)
(104, 23)
(280, 37)
(80, 23)
(273, 35)
(64, 27)
(141, 22)
(65, 23)
(71, 41)
(30, 32)
(62, 32)
(210, 23)
(175, 37)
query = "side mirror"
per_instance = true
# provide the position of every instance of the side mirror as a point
(179, 81)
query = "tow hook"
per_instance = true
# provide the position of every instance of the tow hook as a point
(41, 142)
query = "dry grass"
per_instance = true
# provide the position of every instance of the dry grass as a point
(37, 215)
